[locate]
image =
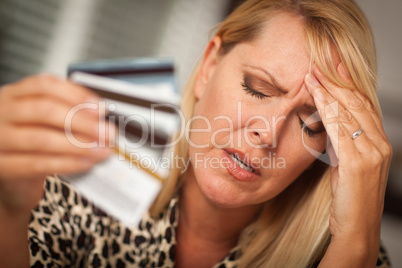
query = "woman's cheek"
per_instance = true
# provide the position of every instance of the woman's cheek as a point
(214, 120)
(315, 146)
(199, 132)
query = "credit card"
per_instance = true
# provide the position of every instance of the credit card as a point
(147, 115)
(140, 71)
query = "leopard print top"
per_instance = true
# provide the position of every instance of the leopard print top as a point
(67, 231)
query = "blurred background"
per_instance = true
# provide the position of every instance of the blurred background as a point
(46, 35)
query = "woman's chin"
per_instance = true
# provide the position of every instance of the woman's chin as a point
(224, 194)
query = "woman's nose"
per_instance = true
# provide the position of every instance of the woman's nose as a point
(262, 133)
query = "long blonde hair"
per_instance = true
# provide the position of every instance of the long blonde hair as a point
(293, 229)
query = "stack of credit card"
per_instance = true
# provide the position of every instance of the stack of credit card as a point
(141, 98)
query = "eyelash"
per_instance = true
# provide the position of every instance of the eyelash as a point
(253, 92)
(306, 129)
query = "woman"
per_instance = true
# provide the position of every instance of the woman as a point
(253, 98)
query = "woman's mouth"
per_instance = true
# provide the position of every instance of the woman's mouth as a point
(238, 168)
(240, 163)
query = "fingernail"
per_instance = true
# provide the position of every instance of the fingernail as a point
(318, 94)
(312, 81)
(342, 70)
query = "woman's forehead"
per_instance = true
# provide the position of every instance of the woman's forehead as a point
(281, 49)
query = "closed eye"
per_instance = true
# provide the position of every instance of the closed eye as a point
(310, 132)
(249, 89)
(253, 92)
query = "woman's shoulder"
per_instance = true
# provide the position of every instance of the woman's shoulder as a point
(67, 229)
(62, 204)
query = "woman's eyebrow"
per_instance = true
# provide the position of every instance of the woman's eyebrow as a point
(274, 81)
(309, 107)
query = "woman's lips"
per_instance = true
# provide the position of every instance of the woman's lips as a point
(233, 162)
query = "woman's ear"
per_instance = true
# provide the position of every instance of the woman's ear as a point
(207, 67)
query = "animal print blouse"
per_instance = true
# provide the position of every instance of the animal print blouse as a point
(67, 231)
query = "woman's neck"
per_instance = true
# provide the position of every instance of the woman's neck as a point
(205, 228)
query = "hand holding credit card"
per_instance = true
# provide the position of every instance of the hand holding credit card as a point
(140, 98)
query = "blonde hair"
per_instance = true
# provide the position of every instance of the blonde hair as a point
(293, 228)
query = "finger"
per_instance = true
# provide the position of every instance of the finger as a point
(52, 114)
(373, 112)
(14, 165)
(327, 108)
(344, 74)
(348, 99)
(50, 141)
(362, 110)
(40, 85)
(355, 132)
(335, 112)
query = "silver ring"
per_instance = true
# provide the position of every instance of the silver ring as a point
(356, 134)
